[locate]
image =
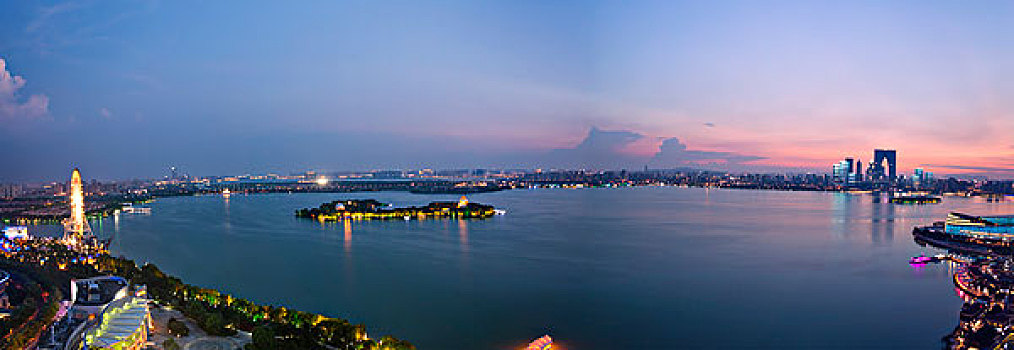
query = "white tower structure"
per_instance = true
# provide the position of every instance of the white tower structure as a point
(76, 227)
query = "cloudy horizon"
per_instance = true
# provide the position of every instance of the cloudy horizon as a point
(127, 89)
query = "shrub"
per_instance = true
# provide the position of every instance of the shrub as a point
(170, 344)
(177, 328)
(263, 338)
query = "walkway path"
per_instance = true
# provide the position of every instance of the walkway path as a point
(212, 343)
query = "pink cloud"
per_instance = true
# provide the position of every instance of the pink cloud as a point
(11, 108)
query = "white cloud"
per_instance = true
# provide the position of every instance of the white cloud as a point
(673, 152)
(11, 108)
(47, 13)
(601, 149)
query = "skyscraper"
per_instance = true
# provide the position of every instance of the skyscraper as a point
(859, 170)
(922, 177)
(841, 171)
(884, 166)
(850, 176)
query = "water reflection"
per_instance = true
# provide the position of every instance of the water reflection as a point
(116, 228)
(841, 205)
(347, 242)
(847, 209)
(463, 234)
(883, 222)
(629, 252)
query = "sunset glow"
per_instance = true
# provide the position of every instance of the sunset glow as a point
(783, 87)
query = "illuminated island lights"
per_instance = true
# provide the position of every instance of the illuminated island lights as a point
(370, 209)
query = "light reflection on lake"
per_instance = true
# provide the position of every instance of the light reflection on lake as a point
(628, 268)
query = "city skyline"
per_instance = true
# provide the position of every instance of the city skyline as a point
(460, 174)
(732, 87)
(847, 171)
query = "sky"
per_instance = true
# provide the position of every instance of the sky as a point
(126, 89)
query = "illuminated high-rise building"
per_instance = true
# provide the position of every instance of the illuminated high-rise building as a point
(840, 171)
(847, 172)
(836, 172)
(884, 166)
(76, 226)
(922, 178)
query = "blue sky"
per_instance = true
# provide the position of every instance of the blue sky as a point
(127, 88)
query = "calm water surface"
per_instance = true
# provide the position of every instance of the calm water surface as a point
(633, 268)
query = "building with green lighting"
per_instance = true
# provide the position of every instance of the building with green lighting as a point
(123, 325)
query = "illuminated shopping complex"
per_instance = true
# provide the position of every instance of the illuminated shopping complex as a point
(999, 228)
(976, 234)
(107, 314)
(124, 325)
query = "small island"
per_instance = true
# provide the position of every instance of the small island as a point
(370, 209)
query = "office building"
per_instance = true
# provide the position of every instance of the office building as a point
(884, 167)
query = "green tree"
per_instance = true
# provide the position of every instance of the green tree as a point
(214, 324)
(391, 343)
(177, 328)
(170, 344)
(264, 338)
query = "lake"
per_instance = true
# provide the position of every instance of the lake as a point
(610, 268)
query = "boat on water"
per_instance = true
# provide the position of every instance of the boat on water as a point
(922, 259)
(129, 208)
(915, 199)
(543, 343)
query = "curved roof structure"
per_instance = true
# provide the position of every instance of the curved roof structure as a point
(124, 325)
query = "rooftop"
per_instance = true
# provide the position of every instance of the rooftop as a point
(98, 290)
(122, 320)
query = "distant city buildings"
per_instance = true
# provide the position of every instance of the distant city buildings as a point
(388, 174)
(57, 201)
(884, 167)
(882, 171)
(8, 191)
(922, 178)
(845, 172)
